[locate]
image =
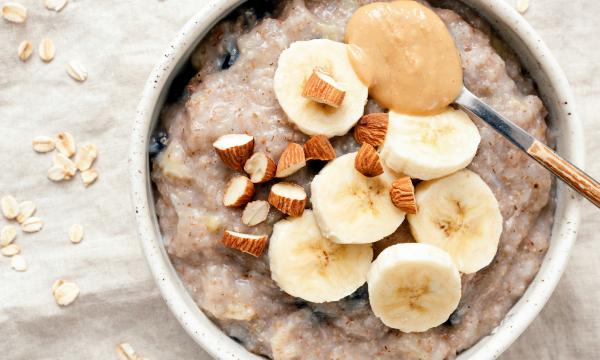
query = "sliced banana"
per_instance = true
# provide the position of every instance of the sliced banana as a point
(413, 287)
(351, 208)
(296, 66)
(429, 147)
(460, 214)
(307, 265)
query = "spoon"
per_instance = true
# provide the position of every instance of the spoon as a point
(567, 172)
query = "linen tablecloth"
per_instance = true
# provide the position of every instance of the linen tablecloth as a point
(119, 42)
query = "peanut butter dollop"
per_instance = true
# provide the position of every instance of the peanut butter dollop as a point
(405, 54)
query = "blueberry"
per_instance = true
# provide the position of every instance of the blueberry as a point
(361, 294)
(158, 142)
(454, 318)
(232, 53)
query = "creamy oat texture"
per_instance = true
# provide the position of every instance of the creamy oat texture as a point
(233, 93)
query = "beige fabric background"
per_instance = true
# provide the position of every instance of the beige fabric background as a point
(119, 42)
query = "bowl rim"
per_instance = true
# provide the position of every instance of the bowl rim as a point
(173, 291)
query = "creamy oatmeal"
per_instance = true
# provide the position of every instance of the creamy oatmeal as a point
(232, 92)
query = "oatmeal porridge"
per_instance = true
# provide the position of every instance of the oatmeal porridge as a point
(232, 92)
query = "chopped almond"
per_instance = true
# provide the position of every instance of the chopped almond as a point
(260, 167)
(238, 192)
(251, 244)
(371, 129)
(322, 88)
(291, 160)
(234, 149)
(403, 195)
(289, 198)
(367, 161)
(318, 147)
(255, 212)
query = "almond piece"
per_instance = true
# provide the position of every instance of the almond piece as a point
(250, 244)
(403, 195)
(318, 147)
(260, 167)
(255, 212)
(289, 198)
(322, 88)
(238, 191)
(234, 149)
(367, 161)
(291, 160)
(371, 129)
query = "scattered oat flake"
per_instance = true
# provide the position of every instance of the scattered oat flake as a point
(65, 144)
(76, 71)
(25, 50)
(18, 263)
(10, 207)
(65, 293)
(46, 50)
(14, 12)
(56, 284)
(43, 144)
(33, 224)
(522, 6)
(60, 160)
(89, 176)
(126, 352)
(56, 5)
(10, 250)
(85, 157)
(7, 235)
(76, 233)
(56, 173)
(26, 210)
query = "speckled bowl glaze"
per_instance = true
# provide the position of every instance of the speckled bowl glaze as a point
(553, 88)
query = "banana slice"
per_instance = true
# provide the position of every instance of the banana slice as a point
(429, 147)
(460, 214)
(351, 208)
(413, 287)
(296, 65)
(307, 265)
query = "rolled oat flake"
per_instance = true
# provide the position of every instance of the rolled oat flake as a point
(18, 263)
(7, 235)
(76, 71)
(66, 293)
(32, 224)
(25, 50)
(10, 207)
(14, 12)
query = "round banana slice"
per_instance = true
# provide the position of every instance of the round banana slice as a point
(460, 214)
(413, 287)
(296, 65)
(305, 264)
(429, 147)
(351, 208)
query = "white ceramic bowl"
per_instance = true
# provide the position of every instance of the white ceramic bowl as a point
(553, 88)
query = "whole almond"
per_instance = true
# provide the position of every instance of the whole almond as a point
(371, 129)
(402, 194)
(46, 50)
(291, 160)
(367, 161)
(14, 12)
(25, 50)
(318, 147)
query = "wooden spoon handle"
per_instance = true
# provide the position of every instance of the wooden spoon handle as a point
(568, 172)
